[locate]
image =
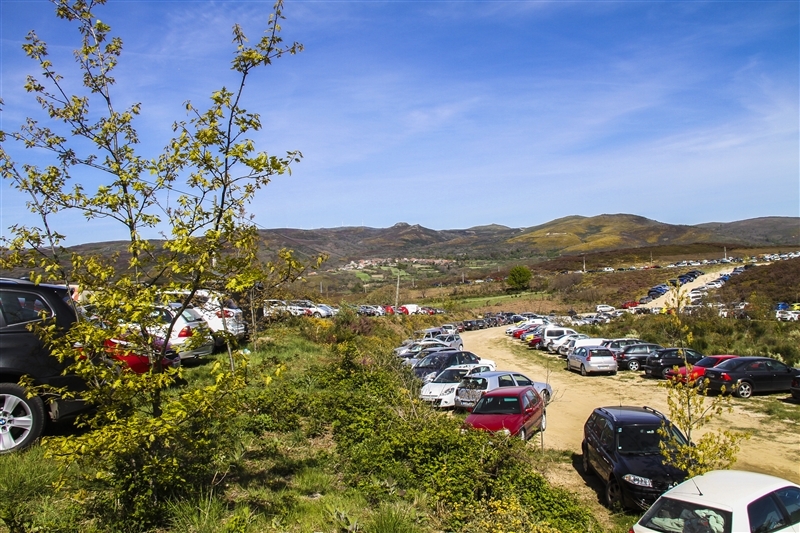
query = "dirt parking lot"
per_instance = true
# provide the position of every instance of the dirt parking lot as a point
(773, 449)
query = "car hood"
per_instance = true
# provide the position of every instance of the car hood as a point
(437, 388)
(650, 466)
(494, 422)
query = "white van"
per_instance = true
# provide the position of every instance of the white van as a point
(553, 332)
(594, 341)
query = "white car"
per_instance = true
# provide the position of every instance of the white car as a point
(603, 308)
(441, 392)
(220, 313)
(190, 336)
(726, 501)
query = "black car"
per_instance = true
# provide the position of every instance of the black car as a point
(434, 363)
(621, 444)
(661, 362)
(744, 376)
(22, 353)
(634, 356)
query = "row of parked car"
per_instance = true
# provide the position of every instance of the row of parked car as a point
(741, 376)
(497, 400)
(180, 331)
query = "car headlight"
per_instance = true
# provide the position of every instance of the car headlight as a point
(448, 391)
(638, 480)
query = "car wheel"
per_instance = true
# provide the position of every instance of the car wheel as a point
(613, 495)
(543, 423)
(522, 435)
(583, 371)
(744, 390)
(21, 418)
(546, 397)
(460, 347)
(633, 365)
(587, 468)
(317, 315)
(665, 373)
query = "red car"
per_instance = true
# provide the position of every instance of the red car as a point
(630, 304)
(699, 369)
(514, 411)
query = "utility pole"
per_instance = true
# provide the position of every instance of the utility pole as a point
(397, 292)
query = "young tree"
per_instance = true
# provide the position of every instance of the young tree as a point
(690, 409)
(141, 443)
(519, 277)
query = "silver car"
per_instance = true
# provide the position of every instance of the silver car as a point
(592, 359)
(472, 387)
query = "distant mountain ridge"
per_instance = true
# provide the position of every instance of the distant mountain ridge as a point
(564, 236)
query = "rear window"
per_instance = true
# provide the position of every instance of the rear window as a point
(474, 383)
(669, 515)
(491, 405)
(601, 353)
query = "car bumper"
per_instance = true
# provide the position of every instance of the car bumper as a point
(601, 367)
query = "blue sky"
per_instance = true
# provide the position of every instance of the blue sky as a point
(453, 114)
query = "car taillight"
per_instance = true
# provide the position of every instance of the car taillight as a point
(225, 313)
(725, 376)
(589, 357)
(185, 332)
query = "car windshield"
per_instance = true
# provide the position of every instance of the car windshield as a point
(669, 515)
(451, 376)
(497, 405)
(642, 439)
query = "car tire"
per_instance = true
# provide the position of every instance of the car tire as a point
(665, 373)
(522, 435)
(460, 347)
(543, 423)
(583, 371)
(613, 495)
(744, 389)
(634, 365)
(21, 418)
(587, 468)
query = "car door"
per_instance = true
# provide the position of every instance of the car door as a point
(533, 409)
(574, 359)
(505, 380)
(781, 375)
(602, 463)
(760, 375)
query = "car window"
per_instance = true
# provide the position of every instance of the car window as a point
(765, 515)
(776, 366)
(505, 380)
(19, 307)
(756, 366)
(600, 353)
(790, 498)
(522, 380)
(606, 435)
(474, 383)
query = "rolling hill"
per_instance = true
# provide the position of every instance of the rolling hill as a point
(573, 235)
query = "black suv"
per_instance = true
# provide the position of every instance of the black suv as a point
(661, 362)
(621, 445)
(634, 356)
(22, 304)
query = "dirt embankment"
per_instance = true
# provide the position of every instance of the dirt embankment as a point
(773, 449)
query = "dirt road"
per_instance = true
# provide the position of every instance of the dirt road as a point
(773, 449)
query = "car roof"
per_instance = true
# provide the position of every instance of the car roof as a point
(632, 414)
(714, 488)
(493, 373)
